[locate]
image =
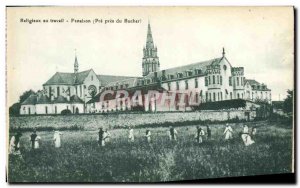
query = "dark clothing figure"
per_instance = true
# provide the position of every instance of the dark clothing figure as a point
(100, 136)
(33, 139)
(172, 133)
(199, 134)
(208, 130)
(17, 141)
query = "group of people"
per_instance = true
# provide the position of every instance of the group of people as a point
(104, 137)
(14, 144)
(246, 135)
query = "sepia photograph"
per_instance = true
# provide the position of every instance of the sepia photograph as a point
(149, 94)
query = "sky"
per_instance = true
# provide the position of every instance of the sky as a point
(260, 39)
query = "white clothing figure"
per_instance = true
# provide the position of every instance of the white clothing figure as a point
(245, 129)
(148, 136)
(228, 132)
(12, 145)
(131, 136)
(57, 139)
(106, 136)
(247, 139)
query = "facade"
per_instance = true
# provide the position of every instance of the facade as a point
(208, 81)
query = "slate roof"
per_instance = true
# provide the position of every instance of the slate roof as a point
(107, 79)
(252, 82)
(190, 67)
(43, 99)
(31, 100)
(62, 78)
(76, 99)
(60, 99)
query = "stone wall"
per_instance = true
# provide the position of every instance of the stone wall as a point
(129, 119)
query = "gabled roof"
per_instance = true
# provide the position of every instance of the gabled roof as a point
(252, 82)
(129, 82)
(76, 99)
(62, 78)
(43, 99)
(31, 100)
(106, 79)
(60, 99)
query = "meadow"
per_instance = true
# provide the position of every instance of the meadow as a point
(80, 159)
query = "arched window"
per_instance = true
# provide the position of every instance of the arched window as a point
(214, 95)
(214, 81)
(220, 80)
(238, 95)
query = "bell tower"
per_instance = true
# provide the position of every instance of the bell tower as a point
(150, 58)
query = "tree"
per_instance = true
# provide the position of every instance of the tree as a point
(288, 102)
(14, 109)
(25, 95)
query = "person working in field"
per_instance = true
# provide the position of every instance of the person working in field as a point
(130, 135)
(245, 129)
(14, 145)
(172, 133)
(148, 136)
(228, 132)
(247, 139)
(199, 134)
(57, 139)
(106, 137)
(100, 136)
(253, 132)
(208, 130)
(35, 139)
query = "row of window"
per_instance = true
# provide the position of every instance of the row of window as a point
(239, 81)
(214, 79)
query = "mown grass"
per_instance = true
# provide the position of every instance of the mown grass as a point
(81, 160)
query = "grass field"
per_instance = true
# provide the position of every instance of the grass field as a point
(81, 160)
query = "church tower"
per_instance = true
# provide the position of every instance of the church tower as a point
(76, 64)
(150, 58)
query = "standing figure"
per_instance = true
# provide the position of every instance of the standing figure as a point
(172, 133)
(14, 145)
(253, 132)
(130, 135)
(57, 139)
(100, 136)
(208, 130)
(106, 137)
(199, 135)
(228, 132)
(245, 129)
(34, 138)
(148, 136)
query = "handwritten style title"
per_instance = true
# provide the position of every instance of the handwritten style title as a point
(84, 21)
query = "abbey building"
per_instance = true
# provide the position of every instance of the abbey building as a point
(212, 80)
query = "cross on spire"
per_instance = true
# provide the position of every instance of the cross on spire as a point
(223, 53)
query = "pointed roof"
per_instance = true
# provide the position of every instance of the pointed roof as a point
(75, 100)
(31, 100)
(60, 99)
(43, 99)
(149, 42)
(62, 78)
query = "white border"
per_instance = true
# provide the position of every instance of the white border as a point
(5, 3)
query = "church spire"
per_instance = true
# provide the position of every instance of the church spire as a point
(149, 42)
(150, 58)
(223, 53)
(76, 63)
